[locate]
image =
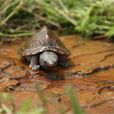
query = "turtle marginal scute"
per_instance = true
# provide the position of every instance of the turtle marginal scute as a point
(42, 41)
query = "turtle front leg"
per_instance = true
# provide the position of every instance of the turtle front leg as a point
(34, 63)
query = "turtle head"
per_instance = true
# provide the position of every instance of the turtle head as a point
(48, 59)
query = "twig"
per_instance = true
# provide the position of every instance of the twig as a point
(99, 103)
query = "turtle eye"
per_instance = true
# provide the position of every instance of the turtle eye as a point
(45, 62)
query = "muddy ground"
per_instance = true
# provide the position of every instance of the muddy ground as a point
(91, 73)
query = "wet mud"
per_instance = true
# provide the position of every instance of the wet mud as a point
(91, 73)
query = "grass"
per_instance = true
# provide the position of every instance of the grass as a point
(29, 107)
(74, 101)
(85, 17)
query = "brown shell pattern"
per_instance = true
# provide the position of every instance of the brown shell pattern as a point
(42, 41)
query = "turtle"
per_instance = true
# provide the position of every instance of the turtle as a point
(45, 50)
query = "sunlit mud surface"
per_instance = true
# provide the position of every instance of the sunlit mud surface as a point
(91, 73)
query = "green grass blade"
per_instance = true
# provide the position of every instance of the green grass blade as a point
(74, 101)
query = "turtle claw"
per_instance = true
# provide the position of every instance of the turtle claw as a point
(35, 67)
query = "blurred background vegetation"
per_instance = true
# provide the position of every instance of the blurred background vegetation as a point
(85, 17)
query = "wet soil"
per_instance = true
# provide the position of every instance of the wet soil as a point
(91, 73)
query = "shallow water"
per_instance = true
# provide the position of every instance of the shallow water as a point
(91, 74)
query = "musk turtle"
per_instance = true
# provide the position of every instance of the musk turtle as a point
(45, 50)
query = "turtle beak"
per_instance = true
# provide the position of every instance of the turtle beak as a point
(51, 63)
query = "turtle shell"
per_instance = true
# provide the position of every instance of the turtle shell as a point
(42, 41)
